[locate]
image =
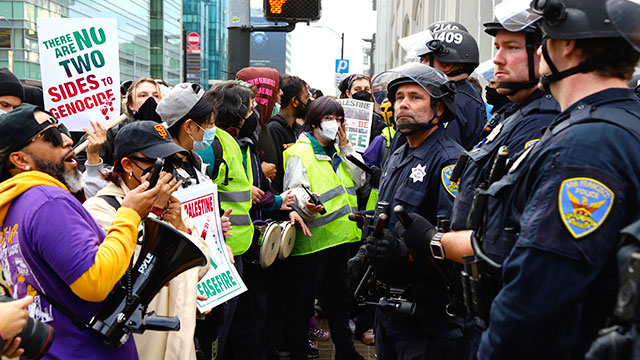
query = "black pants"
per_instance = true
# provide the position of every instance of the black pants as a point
(322, 273)
(247, 338)
(278, 289)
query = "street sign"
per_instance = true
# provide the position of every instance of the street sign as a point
(342, 66)
(193, 38)
(193, 49)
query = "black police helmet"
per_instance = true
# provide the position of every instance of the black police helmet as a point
(455, 47)
(436, 83)
(575, 19)
(493, 27)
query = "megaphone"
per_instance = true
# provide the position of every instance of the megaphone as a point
(165, 254)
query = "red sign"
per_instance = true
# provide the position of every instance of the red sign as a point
(192, 49)
(193, 38)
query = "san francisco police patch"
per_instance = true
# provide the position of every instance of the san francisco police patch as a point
(584, 204)
(451, 187)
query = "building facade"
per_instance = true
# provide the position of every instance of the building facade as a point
(149, 35)
(399, 18)
(208, 19)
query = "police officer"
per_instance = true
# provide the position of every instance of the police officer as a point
(455, 52)
(573, 191)
(423, 98)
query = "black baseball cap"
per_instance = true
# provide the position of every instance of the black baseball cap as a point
(147, 137)
(17, 127)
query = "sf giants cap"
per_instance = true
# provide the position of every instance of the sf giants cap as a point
(147, 137)
(17, 128)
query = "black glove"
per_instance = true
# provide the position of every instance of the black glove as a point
(417, 235)
(356, 268)
(384, 251)
(374, 179)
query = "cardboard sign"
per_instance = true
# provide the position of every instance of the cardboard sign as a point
(80, 66)
(358, 118)
(222, 282)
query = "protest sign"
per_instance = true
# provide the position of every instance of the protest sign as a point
(80, 66)
(357, 118)
(222, 282)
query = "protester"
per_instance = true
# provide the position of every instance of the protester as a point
(39, 172)
(318, 261)
(140, 103)
(283, 127)
(11, 91)
(136, 148)
(33, 95)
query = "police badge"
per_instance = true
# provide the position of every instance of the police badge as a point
(451, 187)
(584, 204)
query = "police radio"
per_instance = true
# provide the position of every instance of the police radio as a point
(315, 200)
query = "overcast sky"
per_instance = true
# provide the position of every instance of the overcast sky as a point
(314, 50)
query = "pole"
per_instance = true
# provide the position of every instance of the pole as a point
(342, 47)
(239, 36)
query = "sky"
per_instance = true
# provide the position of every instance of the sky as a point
(314, 50)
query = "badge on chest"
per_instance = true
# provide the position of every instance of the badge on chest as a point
(418, 173)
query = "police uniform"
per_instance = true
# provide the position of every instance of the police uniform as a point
(564, 201)
(471, 115)
(518, 132)
(418, 180)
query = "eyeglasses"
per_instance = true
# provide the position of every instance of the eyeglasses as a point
(52, 134)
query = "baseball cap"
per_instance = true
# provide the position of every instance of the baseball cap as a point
(178, 102)
(17, 128)
(147, 137)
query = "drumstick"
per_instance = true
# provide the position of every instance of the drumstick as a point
(84, 144)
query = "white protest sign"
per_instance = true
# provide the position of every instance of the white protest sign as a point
(222, 282)
(358, 118)
(80, 66)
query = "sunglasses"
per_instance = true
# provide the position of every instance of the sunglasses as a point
(52, 134)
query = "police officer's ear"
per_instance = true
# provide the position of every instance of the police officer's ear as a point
(440, 109)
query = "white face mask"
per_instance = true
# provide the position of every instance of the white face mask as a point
(2, 112)
(329, 130)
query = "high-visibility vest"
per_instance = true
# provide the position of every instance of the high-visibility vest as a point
(338, 195)
(237, 193)
(388, 134)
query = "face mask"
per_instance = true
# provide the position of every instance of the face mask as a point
(495, 99)
(363, 95)
(148, 111)
(276, 110)
(301, 110)
(2, 112)
(329, 130)
(207, 140)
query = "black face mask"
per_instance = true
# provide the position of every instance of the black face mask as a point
(363, 95)
(493, 98)
(148, 111)
(301, 110)
(250, 127)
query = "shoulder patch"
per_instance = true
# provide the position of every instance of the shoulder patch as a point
(530, 143)
(451, 187)
(584, 204)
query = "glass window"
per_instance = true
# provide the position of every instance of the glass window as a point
(5, 9)
(5, 38)
(18, 10)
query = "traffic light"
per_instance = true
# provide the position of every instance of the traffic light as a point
(292, 11)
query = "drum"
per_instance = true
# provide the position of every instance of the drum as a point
(266, 242)
(287, 239)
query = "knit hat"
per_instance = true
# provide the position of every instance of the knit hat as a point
(9, 84)
(33, 95)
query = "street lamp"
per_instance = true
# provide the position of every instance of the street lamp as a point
(135, 54)
(341, 36)
(10, 51)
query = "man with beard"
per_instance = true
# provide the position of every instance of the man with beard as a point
(283, 127)
(50, 244)
(416, 177)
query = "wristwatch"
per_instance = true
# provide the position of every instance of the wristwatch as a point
(437, 251)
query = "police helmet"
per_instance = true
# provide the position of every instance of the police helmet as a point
(446, 25)
(455, 47)
(574, 19)
(433, 81)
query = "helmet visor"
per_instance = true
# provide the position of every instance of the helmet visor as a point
(431, 80)
(515, 15)
(625, 15)
(415, 45)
